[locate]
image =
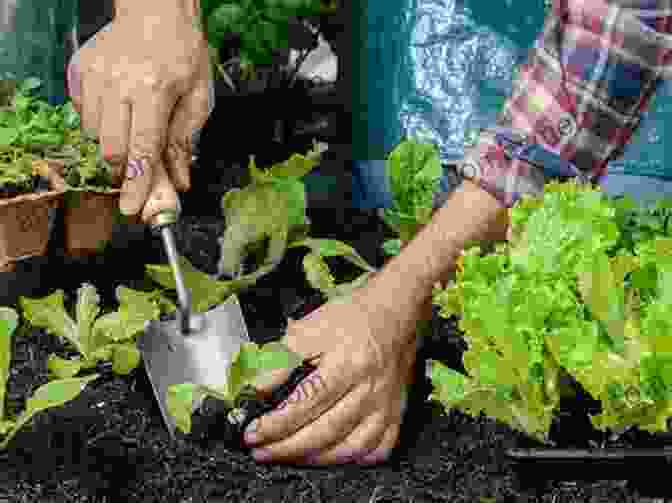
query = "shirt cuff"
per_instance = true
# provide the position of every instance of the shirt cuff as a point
(507, 179)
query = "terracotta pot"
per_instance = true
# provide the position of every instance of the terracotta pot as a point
(25, 220)
(89, 219)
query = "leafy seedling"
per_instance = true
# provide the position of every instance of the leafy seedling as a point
(269, 211)
(414, 171)
(250, 367)
(53, 394)
(110, 337)
(9, 321)
(319, 274)
(206, 291)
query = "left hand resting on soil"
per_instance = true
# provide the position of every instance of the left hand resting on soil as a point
(143, 84)
(350, 408)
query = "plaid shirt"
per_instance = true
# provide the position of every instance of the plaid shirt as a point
(577, 101)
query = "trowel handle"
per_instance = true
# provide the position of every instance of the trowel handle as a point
(164, 202)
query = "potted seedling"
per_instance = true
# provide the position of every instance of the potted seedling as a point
(91, 207)
(37, 138)
(30, 189)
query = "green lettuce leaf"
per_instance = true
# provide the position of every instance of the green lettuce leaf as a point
(9, 321)
(206, 291)
(318, 272)
(50, 313)
(258, 215)
(50, 395)
(583, 288)
(96, 337)
(414, 171)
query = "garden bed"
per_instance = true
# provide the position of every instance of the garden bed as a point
(110, 443)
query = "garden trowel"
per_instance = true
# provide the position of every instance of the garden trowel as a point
(195, 347)
(198, 348)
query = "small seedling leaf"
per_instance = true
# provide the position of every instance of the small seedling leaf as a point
(50, 395)
(205, 290)
(318, 274)
(9, 321)
(62, 368)
(88, 308)
(334, 248)
(49, 313)
(180, 401)
(392, 247)
(126, 357)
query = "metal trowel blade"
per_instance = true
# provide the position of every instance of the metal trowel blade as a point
(201, 357)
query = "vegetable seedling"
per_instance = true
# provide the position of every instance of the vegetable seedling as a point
(250, 367)
(414, 171)
(53, 394)
(96, 337)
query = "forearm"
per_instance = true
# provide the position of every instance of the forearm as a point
(405, 284)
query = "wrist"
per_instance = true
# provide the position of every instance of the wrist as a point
(404, 287)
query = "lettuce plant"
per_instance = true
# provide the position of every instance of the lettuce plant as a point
(267, 218)
(414, 171)
(270, 211)
(571, 293)
(53, 394)
(96, 337)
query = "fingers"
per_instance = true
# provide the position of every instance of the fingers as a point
(281, 432)
(384, 450)
(150, 115)
(190, 115)
(114, 135)
(357, 445)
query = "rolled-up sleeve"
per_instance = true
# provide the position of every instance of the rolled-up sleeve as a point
(580, 95)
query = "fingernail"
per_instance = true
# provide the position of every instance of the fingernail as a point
(348, 456)
(372, 458)
(261, 455)
(251, 435)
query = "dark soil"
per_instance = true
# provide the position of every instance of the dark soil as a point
(110, 444)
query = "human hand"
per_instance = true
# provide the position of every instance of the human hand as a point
(350, 408)
(143, 85)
